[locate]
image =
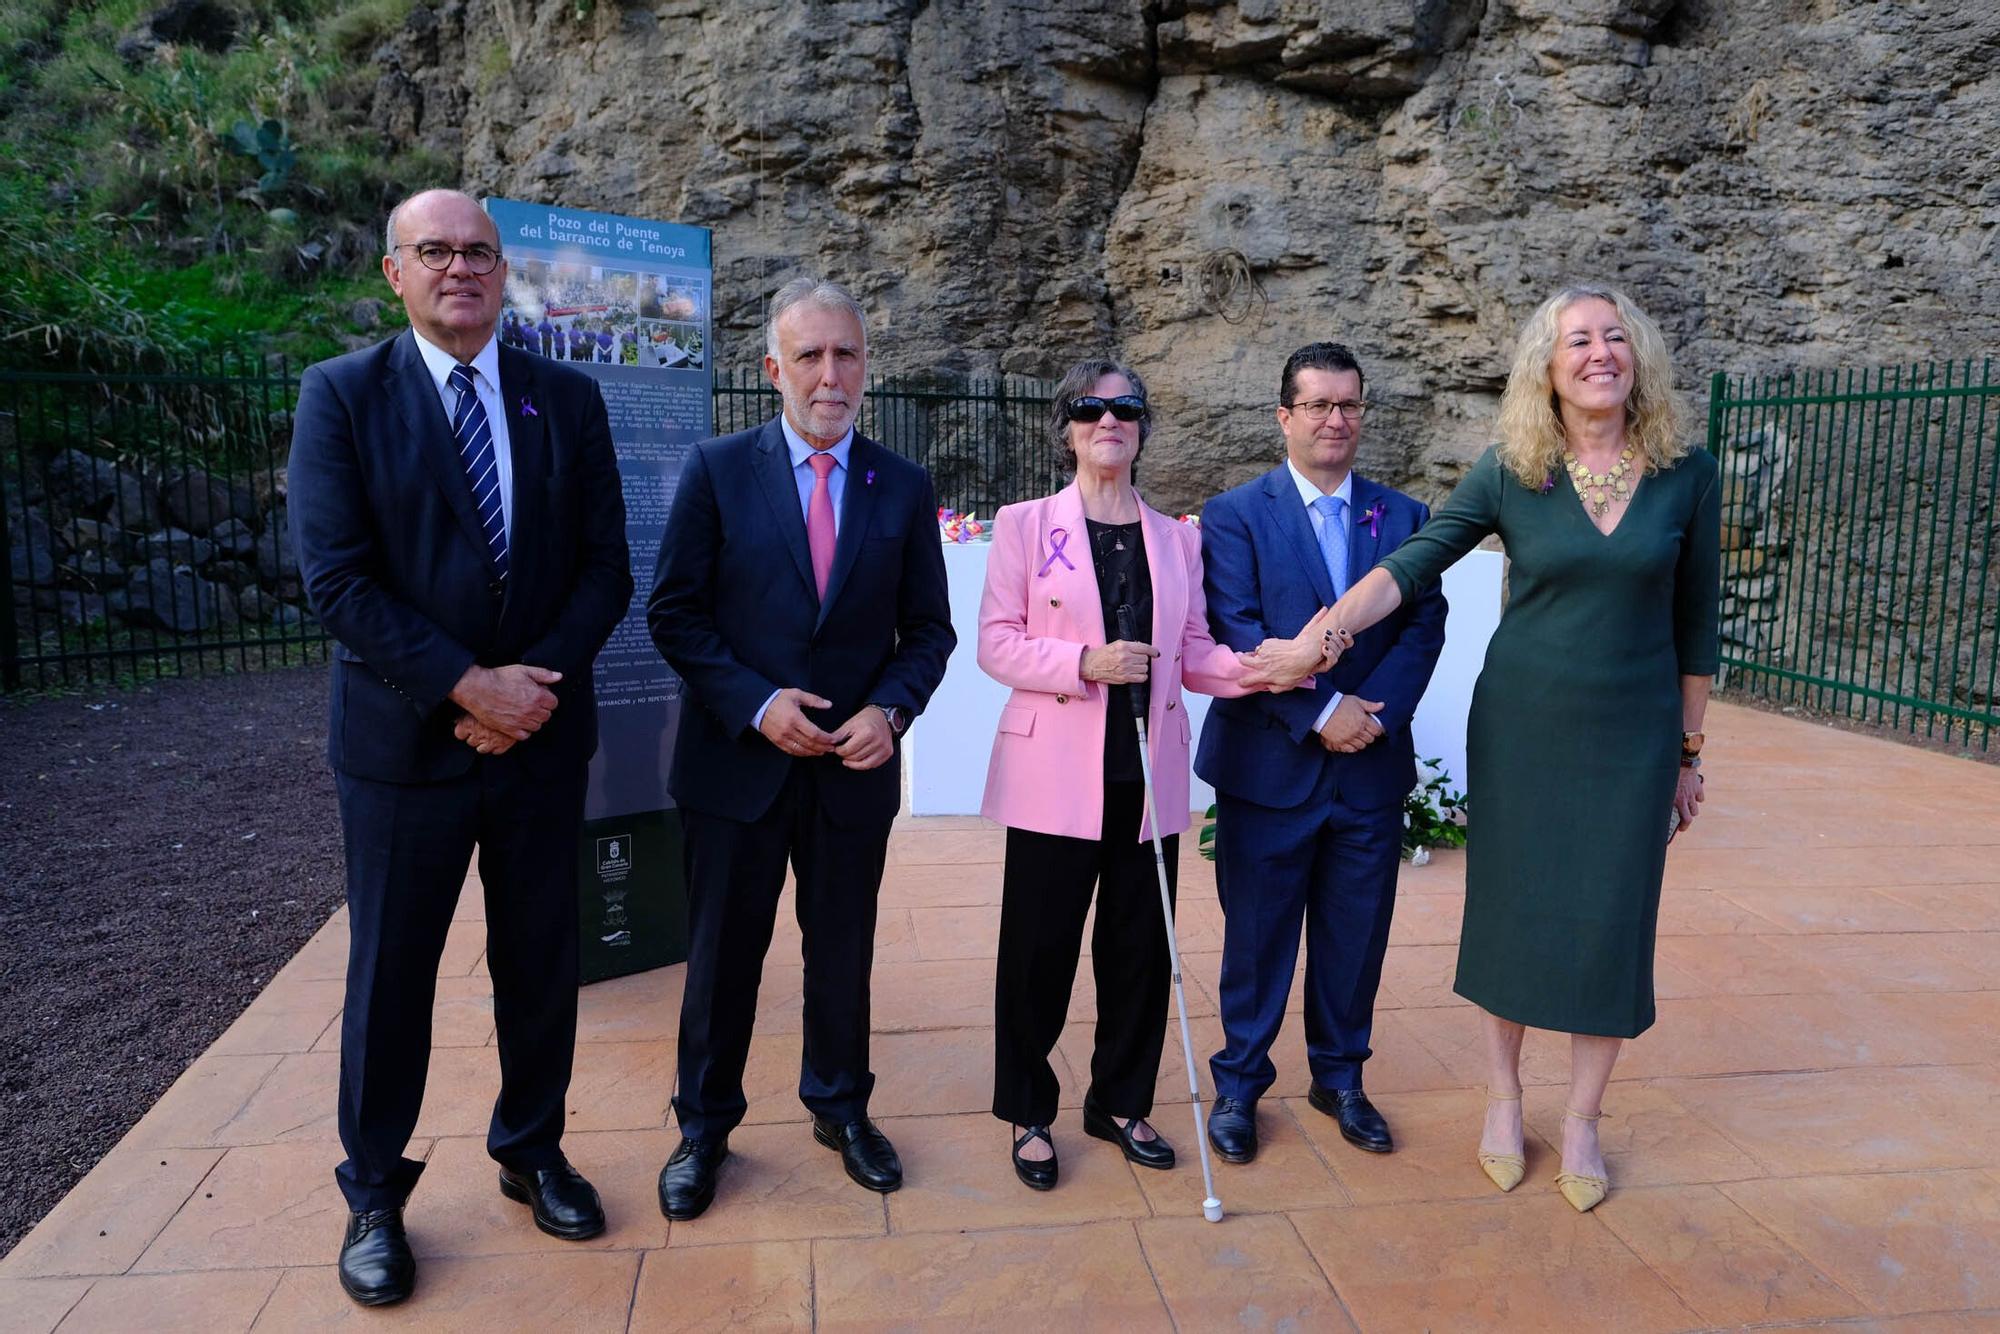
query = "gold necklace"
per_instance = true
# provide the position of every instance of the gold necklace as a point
(1607, 487)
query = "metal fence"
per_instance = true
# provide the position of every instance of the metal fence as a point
(1858, 536)
(985, 442)
(143, 527)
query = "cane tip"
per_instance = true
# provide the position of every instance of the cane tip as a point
(1211, 1209)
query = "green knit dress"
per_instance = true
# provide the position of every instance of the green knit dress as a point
(1573, 743)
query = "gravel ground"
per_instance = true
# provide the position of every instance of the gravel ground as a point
(167, 847)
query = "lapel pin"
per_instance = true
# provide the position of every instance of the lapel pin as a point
(528, 407)
(1372, 516)
(869, 478)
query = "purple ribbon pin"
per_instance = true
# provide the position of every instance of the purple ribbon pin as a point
(1058, 539)
(1372, 516)
(528, 407)
(869, 480)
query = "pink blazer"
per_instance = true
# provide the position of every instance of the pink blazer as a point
(1038, 613)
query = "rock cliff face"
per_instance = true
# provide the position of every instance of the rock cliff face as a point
(1203, 186)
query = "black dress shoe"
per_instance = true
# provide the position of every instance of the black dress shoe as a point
(1232, 1129)
(1360, 1124)
(1036, 1174)
(687, 1182)
(565, 1205)
(1154, 1152)
(376, 1267)
(864, 1151)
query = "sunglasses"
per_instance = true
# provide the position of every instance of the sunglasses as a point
(1090, 408)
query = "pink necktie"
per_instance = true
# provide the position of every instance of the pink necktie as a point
(819, 520)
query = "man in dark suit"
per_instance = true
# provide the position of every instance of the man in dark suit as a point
(461, 532)
(1309, 785)
(801, 596)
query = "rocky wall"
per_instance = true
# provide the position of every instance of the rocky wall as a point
(1203, 186)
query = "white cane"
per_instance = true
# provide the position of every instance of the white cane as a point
(1211, 1207)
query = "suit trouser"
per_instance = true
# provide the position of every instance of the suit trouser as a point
(408, 846)
(1045, 896)
(1332, 866)
(735, 874)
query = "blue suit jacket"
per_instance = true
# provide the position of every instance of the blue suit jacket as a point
(1265, 577)
(735, 612)
(397, 568)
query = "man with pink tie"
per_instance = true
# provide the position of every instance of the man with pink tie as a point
(800, 594)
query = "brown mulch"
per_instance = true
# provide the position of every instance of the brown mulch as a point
(167, 848)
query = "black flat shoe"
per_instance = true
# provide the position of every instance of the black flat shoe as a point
(1232, 1129)
(1360, 1124)
(1155, 1152)
(1036, 1174)
(376, 1267)
(564, 1204)
(687, 1182)
(864, 1151)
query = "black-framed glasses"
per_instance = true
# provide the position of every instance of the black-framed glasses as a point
(481, 259)
(1319, 409)
(1090, 408)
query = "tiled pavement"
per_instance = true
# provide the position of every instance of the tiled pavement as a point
(1811, 1134)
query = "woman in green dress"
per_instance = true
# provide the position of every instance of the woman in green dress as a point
(1584, 738)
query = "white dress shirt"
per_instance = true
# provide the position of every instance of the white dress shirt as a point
(806, 479)
(486, 384)
(1308, 493)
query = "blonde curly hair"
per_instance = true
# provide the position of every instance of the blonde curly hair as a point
(1531, 431)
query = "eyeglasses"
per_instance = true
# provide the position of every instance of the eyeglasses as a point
(1090, 408)
(1319, 409)
(481, 259)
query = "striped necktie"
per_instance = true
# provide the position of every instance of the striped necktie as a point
(475, 450)
(1333, 540)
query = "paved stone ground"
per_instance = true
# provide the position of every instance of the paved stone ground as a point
(1810, 1136)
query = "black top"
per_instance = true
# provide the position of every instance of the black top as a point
(1119, 552)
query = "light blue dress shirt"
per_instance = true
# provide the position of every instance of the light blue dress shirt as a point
(1308, 493)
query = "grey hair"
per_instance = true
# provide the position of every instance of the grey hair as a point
(389, 227)
(811, 291)
(1078, 381)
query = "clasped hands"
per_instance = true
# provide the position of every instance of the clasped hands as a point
(503, 705)
(862, 742)
(1275, 665)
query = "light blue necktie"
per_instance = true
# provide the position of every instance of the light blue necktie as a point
(475, 450)
(1333, 540)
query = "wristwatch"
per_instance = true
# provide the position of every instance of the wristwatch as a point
(1691, 743)
(899, 718)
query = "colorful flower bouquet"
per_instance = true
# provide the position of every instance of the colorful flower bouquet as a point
(956, 527)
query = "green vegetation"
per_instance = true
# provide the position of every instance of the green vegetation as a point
(159, 199)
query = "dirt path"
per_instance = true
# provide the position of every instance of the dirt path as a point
(163, 850)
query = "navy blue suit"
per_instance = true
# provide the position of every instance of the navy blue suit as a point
(398, 570)
(735, 612)
(1302, 833)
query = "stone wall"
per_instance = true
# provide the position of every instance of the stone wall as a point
(1203, 186)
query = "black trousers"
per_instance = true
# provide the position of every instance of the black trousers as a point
(408, 846)
(1045, 896)
(735, 873)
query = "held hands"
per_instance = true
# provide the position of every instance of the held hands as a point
(1352, 726)
(1119, 663)
(786, 726)
(1283, 664)
(481, 737)
(866, 739)
(511, 703)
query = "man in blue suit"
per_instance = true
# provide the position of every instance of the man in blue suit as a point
(800, 594)
(461, 533)
(1309, 785)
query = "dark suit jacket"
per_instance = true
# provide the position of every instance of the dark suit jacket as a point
(734, 611)
(398, 570)
(1264, 576)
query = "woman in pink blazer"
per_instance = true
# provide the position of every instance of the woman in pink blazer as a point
(1065, 776)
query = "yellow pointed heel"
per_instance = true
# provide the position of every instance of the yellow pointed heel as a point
(1584, 1193)
(1504, 1169)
